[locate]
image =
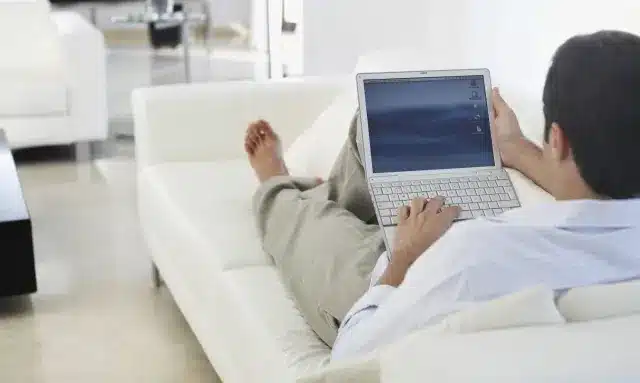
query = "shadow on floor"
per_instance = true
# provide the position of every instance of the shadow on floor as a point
(122, 146)
(15, 306)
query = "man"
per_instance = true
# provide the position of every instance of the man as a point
(326, 242)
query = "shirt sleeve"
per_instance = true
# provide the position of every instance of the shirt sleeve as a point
(455, 272)
(367, 304)
(364, 308)
(384, 314)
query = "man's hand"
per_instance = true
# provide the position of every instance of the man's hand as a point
(508, 132)
(419, 227)
(516, 150)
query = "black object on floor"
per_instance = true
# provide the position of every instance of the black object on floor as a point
(17, 263)
(162, 35)
(68, 2)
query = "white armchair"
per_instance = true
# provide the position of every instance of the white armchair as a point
(53, 76)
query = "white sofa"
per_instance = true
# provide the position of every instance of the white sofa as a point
(194, 195)
(53, 76)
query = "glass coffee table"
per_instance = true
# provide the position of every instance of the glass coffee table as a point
(182, 19)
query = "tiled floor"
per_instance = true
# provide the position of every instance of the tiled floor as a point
(96, 316)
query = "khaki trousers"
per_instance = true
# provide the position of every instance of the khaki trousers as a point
(324, 238)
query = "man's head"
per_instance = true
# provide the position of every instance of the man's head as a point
(592, 115)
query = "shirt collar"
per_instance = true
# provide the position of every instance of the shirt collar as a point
(578, 213)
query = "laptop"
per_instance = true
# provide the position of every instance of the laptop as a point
(428, 134)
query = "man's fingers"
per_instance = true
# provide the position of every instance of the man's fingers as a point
(450, 213)
(496, 97)
(434, 205)
(403, 213)
(417, 206)
(499, 104)
(498, 101)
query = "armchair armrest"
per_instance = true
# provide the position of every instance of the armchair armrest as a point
(207, 122)
(84, 55)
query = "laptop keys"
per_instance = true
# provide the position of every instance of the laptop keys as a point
(477, 196)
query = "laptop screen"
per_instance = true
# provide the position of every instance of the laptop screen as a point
(428, 123)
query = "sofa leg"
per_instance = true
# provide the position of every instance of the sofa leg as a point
(157, 278)
(83, 151)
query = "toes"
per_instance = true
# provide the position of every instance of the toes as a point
(248, 147)
(253, 137)
(263, 130)
(257, 134)
(248, 135)
(258, 130)
(267, 130)
(254, 127)
(251, 142)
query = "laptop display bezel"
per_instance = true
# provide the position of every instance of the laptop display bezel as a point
(360, 80)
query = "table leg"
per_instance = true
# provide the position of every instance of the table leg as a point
(93, 15)
(185, 49)
(156, 277)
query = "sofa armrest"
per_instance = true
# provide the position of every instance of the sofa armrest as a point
(207, 122)
(84, 56)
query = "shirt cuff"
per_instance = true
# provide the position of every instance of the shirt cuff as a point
(369, 301)
(379, 269)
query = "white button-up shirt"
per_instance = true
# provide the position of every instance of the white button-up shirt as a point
(559, 245)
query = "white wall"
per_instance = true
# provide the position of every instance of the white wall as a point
(336, 32)
(520, 37)
(509, 36)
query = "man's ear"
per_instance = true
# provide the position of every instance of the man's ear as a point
(560, 148)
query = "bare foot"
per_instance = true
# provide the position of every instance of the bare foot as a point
(263, 146)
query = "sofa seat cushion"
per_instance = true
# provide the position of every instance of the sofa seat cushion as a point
(272, 325)
(31, 132)
(24, 95)
(212, 202)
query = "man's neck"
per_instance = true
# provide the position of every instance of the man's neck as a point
(576, 191)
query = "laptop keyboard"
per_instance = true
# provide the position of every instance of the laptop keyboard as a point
(477, 196)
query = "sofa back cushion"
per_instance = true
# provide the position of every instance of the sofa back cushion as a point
(315, 150)
(600, 301)
(31, 40)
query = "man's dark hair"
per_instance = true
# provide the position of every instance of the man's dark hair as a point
(593, 92)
